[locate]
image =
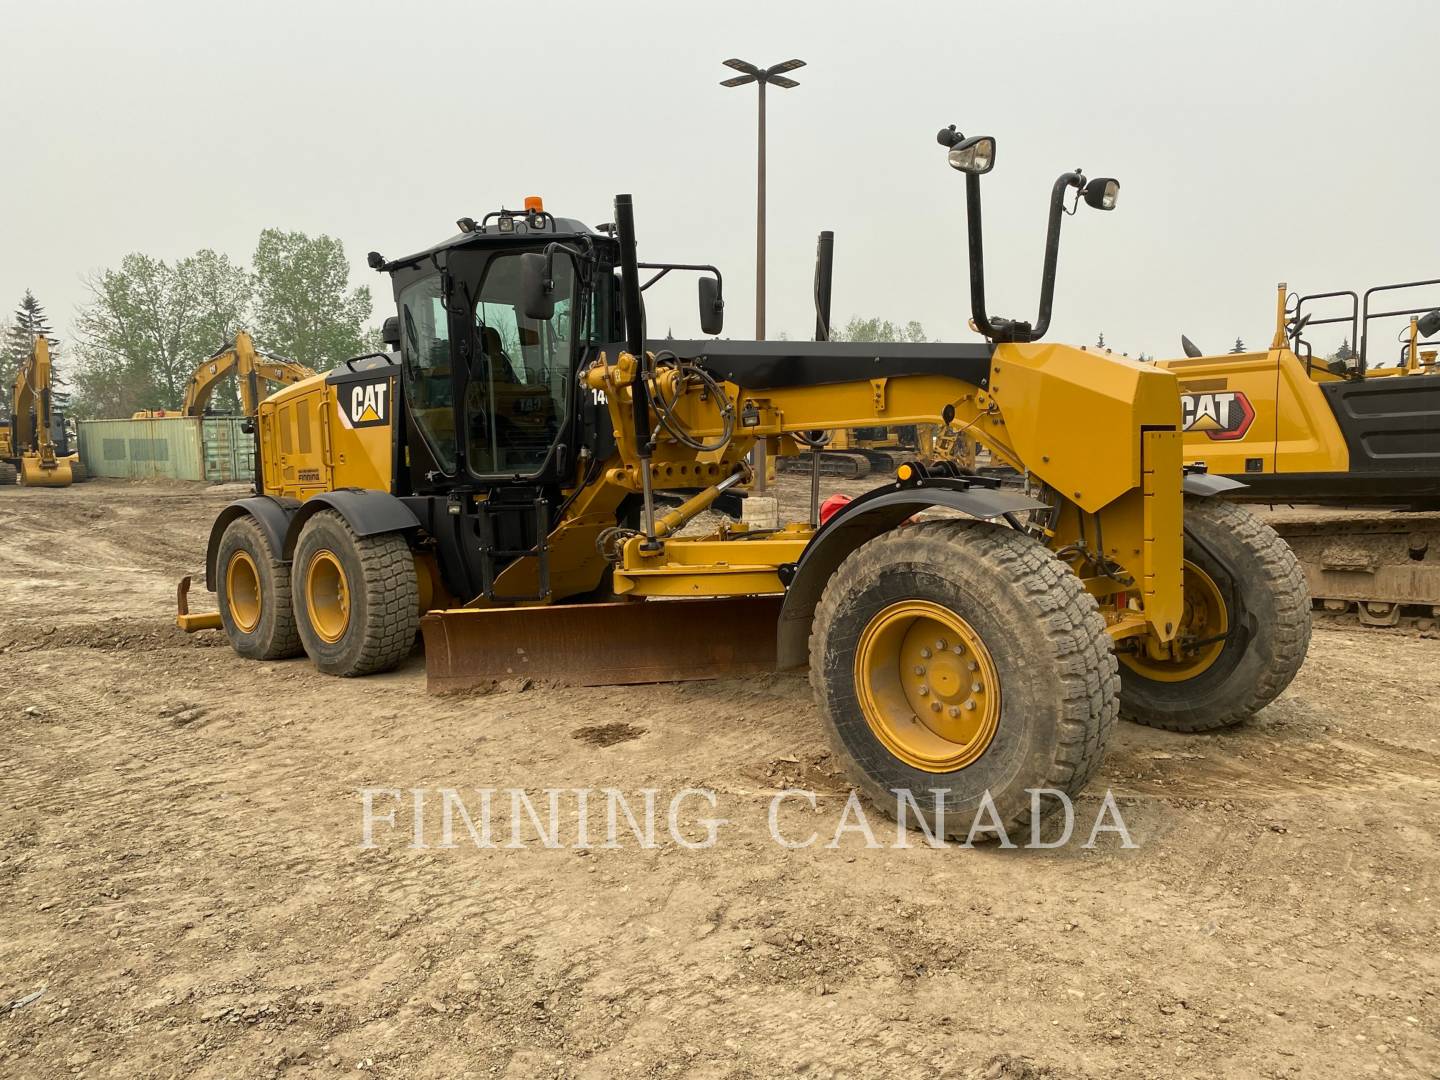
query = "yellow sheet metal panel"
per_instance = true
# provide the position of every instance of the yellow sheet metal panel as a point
(1077, 416)
(1242, 408)
(1164, 551)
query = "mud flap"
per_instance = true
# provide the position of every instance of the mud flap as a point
(601, 644)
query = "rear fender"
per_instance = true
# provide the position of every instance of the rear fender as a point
(368, 513)
(271, 514)
(867, 517)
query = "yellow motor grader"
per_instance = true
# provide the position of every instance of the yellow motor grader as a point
(514, 480)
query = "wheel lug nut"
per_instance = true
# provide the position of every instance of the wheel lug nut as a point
(957, 649)
(975, 688)
(973, 666)
(924, 654)
(940, 645)
(935, 706)
(969, 704)
(924, 691)
(954, 710)
(919, 669)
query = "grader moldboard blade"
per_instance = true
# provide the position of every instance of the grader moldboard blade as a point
(601, 644)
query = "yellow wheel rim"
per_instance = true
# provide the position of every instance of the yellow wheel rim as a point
(242, 592)
(327, 595)
(927, 686)
(1205, 618)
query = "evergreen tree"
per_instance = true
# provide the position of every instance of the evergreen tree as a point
(30, 319)
(1239, 346)
(1100, 341)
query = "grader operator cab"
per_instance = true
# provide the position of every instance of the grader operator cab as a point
(497, 484)
(1348, 432)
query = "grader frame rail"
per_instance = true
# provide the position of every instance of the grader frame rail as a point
(516, 481)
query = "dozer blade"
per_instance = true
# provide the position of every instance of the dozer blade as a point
(601, 644)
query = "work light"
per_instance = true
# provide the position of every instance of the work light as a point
(1102, 192)
(975, 155)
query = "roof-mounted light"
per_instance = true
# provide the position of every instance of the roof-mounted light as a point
(1102, 193)
(975, 155)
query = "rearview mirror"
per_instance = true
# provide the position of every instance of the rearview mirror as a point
(1430, 323)
(390, 332)
(712, 307)
(537, 291)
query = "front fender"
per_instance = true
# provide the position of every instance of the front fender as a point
(271, 514)
(873, 513)
(368, 513)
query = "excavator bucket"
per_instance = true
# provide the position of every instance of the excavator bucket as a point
(602, 644)
(35, 472)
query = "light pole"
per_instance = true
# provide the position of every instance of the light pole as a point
(771, 76)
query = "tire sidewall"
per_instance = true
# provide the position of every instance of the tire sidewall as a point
(243, 534)
(1025, 741)
(1242, 662)
(328, 531)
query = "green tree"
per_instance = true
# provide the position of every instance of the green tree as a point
(1239, 347)
(148, 325)
(876, 329)
(305, 308)
(29, 319)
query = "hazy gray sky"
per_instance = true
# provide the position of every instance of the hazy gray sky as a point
(1255, 141)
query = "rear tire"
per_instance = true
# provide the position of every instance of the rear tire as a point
(1032, 631)
(1250, 670)
(357, 601)
(78, 475)
(253, 591)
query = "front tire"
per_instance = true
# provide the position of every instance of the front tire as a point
(253, 590)
(1232, 560)
(357, 601)
(985, 623)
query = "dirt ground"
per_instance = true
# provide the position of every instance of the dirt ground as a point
(183, 882)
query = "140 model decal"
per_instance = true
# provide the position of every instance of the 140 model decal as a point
(1223, 415)
(364, 404)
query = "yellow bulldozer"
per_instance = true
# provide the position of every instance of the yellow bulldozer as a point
(252, 368)
(34, 444)
(1351, 434)
(496, 483)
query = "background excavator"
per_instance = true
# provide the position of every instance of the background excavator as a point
(495, 483)
(34, 445)
(253, 370)
(1354, 434)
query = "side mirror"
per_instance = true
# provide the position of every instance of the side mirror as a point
(1430, 323)
(712, 307)
(537, 291)
(390, 332)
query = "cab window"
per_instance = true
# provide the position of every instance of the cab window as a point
(518, 391)
(425, 350)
